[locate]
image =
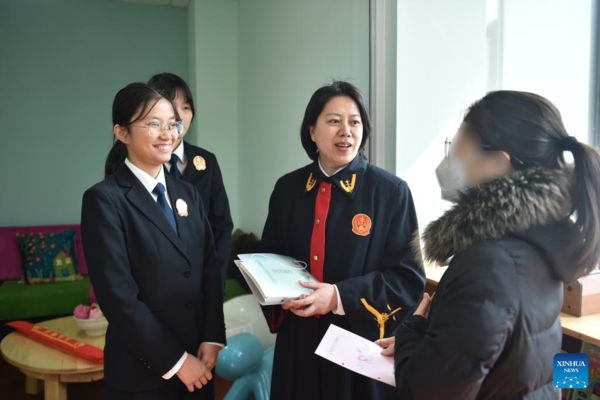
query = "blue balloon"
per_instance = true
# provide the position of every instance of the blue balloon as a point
(244, 362)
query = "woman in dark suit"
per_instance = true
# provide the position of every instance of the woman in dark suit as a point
(198, 166)
(152, 260)
(354, 225)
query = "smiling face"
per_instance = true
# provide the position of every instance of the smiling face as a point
(144, 151)
(337, 133)
(185, 112)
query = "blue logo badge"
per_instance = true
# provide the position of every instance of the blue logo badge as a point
(571, 371)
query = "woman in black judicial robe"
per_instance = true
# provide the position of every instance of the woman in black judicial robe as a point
(354, 224)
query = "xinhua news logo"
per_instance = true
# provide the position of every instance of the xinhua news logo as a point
(571, 371)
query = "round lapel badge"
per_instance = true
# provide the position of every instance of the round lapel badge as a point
(361, 224)
(182, 207)
(199, 163)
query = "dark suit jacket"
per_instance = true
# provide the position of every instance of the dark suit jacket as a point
(160, 293)
(209, 183)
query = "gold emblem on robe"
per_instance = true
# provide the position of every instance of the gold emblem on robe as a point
(347, 185)
(310, 183)
(381, 318)
(361, 224)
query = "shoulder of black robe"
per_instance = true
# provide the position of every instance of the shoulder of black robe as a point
(272, 236)
(204, 173)
(396, 280)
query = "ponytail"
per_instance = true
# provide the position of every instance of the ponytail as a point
(530, 129)
(586, 207)
(116, 157)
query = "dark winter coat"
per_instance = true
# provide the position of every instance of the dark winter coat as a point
(494, 325)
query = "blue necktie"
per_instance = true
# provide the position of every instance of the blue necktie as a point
(159, 190)
(174, 171)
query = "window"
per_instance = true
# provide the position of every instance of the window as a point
(451, 53)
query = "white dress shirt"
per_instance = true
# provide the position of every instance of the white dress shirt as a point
(150, 183)
(339, 310)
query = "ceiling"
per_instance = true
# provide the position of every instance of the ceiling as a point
(169, 3)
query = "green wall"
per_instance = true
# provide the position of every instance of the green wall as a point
(61, 64)
(286, 50)
(252, 65)
(213, 78)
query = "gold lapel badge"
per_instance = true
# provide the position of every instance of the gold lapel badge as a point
(182, 207)
(349, 186)
(381, 318)
(310, 183)
(199, 163)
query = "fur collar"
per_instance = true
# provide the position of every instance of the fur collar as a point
(511, 204)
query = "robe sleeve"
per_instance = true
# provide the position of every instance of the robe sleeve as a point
(212, 287)
(219, 217)
(398, 282)
(271, 243)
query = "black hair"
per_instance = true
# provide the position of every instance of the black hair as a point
(128, 107)
(318, 101)
(169, 83)
(530, 129)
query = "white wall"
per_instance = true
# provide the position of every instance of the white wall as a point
(441, 70)
(452, 53)
(546, 50)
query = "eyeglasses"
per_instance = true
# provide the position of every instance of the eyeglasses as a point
(484, 147)
(155, 130)
(487, 148)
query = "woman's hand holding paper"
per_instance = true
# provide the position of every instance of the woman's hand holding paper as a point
(388, 345)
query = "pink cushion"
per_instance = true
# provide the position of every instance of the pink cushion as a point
(10, 252)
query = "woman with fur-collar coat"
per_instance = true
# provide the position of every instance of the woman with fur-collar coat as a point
(523, 223)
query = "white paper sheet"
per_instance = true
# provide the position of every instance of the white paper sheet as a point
(356, 354)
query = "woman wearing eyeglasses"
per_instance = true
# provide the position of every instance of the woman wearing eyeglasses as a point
(523, 222)
(152, 260)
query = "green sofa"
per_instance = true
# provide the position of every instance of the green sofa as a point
(29, 301)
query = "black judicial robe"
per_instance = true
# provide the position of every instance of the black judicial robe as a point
(203, 172)
(161, 292)
(369, 253)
